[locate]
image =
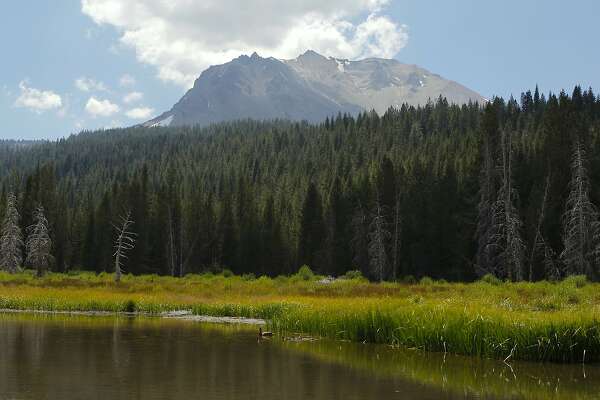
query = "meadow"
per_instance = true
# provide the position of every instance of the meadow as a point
(542, 321)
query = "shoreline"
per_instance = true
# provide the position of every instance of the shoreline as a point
(183, 315)
(543, 321)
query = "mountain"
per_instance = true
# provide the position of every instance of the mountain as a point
(310, 87)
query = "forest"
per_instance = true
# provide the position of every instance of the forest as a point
(507, 188)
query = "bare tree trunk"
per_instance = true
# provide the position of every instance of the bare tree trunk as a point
(125, 241)
(505, 242)
(538, 229)
(581, 222)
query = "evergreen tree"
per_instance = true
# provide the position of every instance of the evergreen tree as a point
(379, 237)
(38, 243)
(312, 232)
(11, 240)
(487, 190)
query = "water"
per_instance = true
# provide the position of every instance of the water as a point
(78, 357)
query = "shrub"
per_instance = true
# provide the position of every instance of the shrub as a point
(354, 274)
(426, 281)
(249, 277)
(305, 273)
(227, 273)
(129, 306)
(491, 279)
(409, 279)
(577, 281)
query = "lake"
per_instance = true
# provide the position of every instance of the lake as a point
(46, 356)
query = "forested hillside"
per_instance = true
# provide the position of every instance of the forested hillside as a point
(444, 191)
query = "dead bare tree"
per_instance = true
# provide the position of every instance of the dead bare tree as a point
(581, 226)
(124, 242)
(539, 244)
(11, 239)
(506, 238)
(39, 243)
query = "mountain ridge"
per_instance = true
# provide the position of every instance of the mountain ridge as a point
(309, 87)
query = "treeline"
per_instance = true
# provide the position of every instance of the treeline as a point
(441, 190)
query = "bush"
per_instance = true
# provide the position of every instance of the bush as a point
(577, 281)
(227, 273)
(409, 279)
(491, 279)
(305, 273)
(354, 274)
(426, 281)
(129, 306)
(249, 277)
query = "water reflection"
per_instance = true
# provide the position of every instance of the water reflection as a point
(59, 357)
(458, 374)
(67, 357)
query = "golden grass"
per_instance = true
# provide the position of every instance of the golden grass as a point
(532, 321)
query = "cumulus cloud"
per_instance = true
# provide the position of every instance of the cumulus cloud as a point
(89, 85)
(127, 80)
(183, 37)
(36, 99)
(132, 97)
(140, 113)
(100, 108)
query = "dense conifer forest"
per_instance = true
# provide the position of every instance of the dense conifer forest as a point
(507, 188)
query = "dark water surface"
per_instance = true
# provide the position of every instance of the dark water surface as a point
(78, 357)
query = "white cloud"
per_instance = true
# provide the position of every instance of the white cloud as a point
(127, 80)
(183, 37)
(132, 97)
(89, 85)
(36, 99)
(101, 108)
(140, 113)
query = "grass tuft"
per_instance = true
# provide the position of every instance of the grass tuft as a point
(542, 321)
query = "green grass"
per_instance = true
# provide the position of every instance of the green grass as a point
(529, 321)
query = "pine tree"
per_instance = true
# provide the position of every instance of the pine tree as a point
(39, 243)
(312, 230)
(11, 241)
(581, 226)
(487, 191)
(379, 237)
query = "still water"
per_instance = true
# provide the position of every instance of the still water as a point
(83, 357)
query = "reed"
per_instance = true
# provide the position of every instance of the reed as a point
(540, 321)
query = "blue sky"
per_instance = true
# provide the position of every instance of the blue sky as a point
(64, 61)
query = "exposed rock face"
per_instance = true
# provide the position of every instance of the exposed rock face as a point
(310, 87)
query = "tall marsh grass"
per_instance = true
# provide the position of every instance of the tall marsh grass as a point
(541, 321)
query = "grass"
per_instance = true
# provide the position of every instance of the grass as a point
(541, 321)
